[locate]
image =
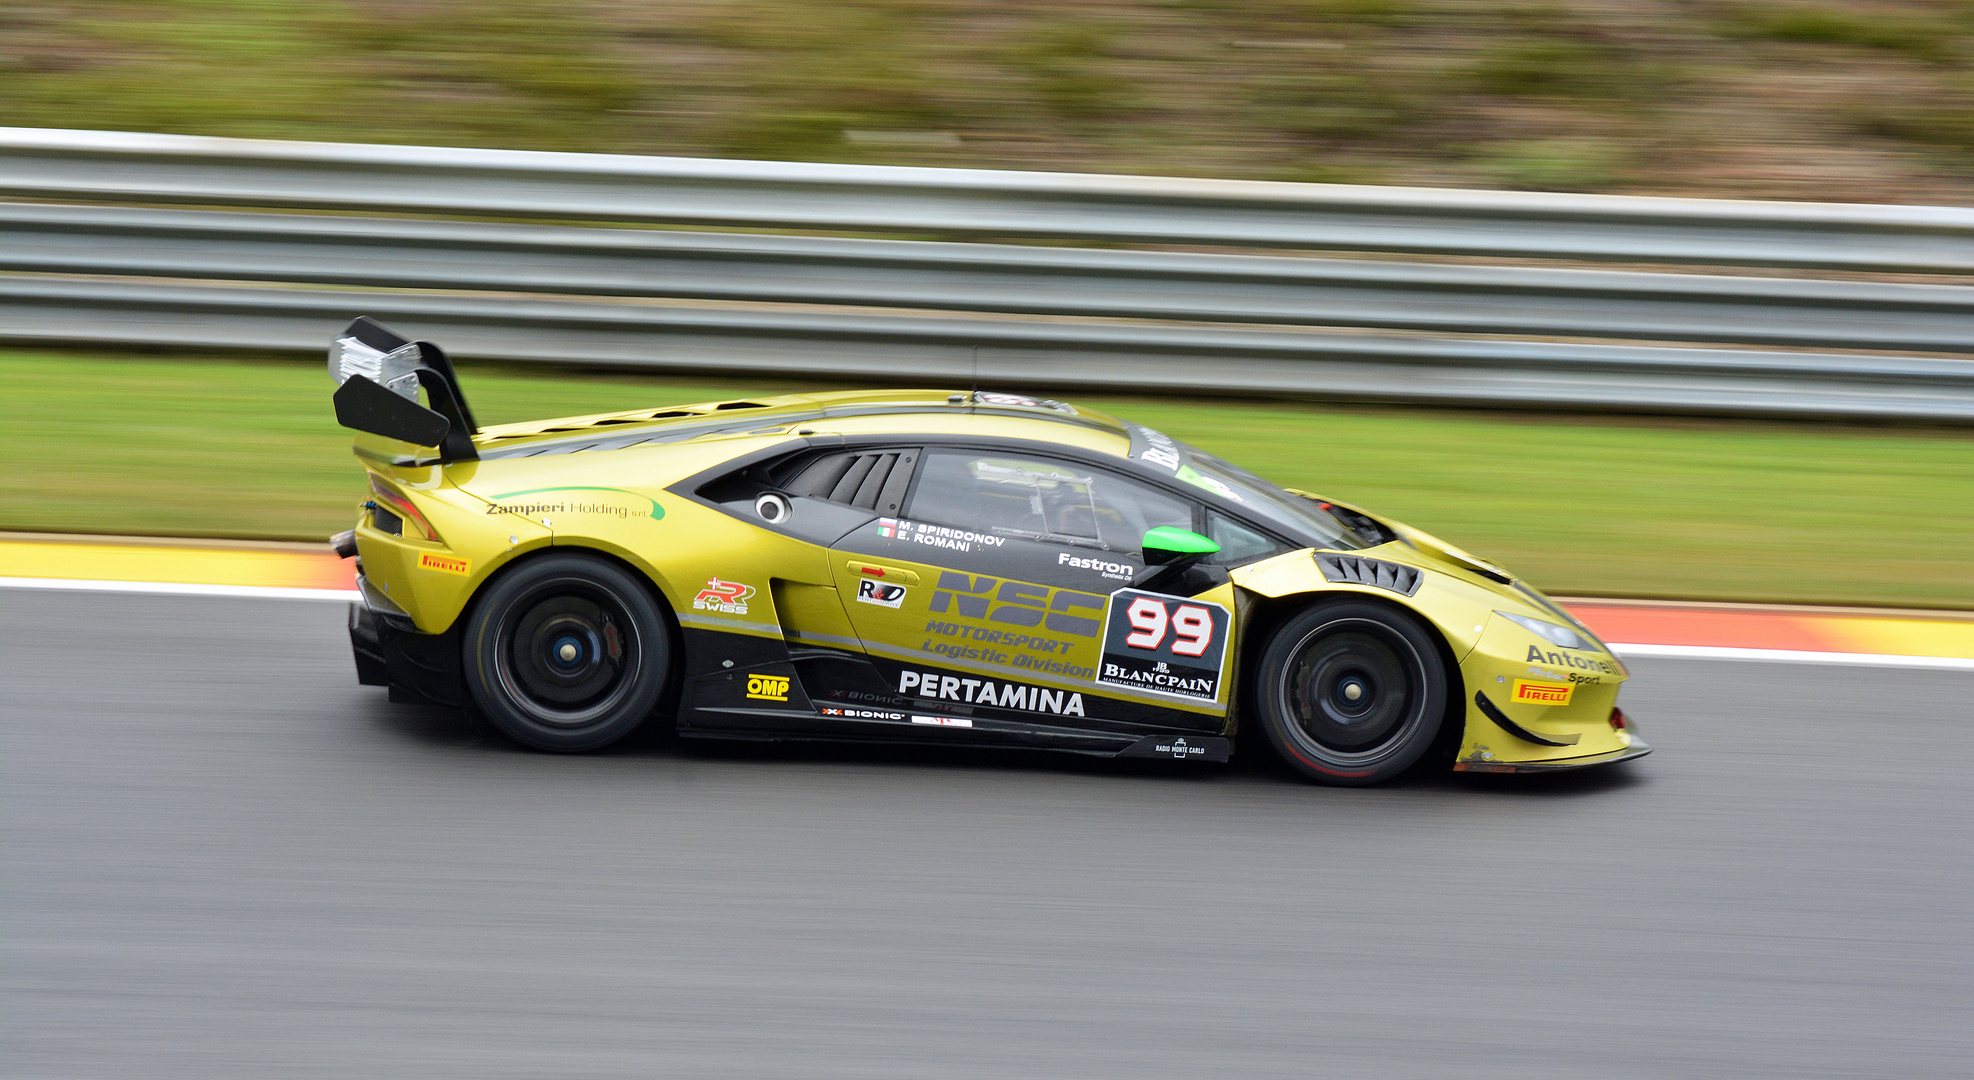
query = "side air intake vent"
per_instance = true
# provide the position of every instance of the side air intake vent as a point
(865, 481)
(1403, 580)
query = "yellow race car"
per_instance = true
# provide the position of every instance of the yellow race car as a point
(971, 568)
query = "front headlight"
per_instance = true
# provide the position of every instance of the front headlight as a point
(1553, 633)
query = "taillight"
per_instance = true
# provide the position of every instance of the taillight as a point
(1617, 718)
(389, 498)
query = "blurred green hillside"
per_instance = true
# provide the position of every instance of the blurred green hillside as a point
(1869, 100)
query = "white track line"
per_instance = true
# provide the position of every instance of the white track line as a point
(1625, 649)
(1789, 656)
(172, 588)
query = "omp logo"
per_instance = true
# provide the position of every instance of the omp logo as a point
(725, 597)
(444, 564)
(1536, 693)
(1018, 603)
(768, 687)
(880, 593)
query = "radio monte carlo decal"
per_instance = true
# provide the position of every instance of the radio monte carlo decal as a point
(1169, 644)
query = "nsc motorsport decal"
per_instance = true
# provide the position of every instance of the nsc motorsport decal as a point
(989, 619)
(1167, 644)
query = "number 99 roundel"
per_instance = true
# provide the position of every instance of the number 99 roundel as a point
(1167, 644)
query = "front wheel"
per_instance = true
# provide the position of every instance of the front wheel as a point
(1351, 692)
(567, 652)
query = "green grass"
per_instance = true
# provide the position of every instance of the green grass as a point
(1722, 510)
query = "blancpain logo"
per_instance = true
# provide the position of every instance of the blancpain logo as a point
(1161, 678)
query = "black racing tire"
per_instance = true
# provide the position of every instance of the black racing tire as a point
(1351, 692)
(567, 652)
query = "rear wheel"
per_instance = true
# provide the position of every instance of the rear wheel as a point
(567, 652)
(1351, 692)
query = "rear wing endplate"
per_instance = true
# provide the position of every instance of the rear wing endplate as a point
(378, 375)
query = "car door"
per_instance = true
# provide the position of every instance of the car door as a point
(1000, 602)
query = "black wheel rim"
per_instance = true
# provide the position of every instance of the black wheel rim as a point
(1351, 692)
(568, 652)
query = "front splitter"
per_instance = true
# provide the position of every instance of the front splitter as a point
(1637, 749)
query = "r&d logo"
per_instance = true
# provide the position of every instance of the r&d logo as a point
(883, 594)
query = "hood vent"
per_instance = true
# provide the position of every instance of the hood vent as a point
(1403, 580)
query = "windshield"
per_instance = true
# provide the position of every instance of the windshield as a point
(1311, 520)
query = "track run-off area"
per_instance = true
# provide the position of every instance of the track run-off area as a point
(225, 858)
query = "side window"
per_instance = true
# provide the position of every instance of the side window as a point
(1035, 498)
(1238, 543)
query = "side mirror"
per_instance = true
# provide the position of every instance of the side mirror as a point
(1166, 545)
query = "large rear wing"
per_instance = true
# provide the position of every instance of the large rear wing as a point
(378, 375)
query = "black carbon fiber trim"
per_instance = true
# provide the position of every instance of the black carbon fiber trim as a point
(1357, 570)
(1494, 713)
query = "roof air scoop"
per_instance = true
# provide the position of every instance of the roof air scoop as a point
(378, 375)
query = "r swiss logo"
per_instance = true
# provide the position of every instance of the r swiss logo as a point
(725, 597)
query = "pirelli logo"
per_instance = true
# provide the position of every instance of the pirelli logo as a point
(1542, 693)
(444, 564)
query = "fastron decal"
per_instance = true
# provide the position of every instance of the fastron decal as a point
(943, 721)
(725, 597)
(1005, 695)
(1115, 571)
(1165, 643)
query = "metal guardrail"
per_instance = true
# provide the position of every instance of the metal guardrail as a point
(943, 351)
(400, 253)
(97, 166)
(1027, 310)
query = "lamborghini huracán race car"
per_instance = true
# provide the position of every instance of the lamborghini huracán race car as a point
(981, 569)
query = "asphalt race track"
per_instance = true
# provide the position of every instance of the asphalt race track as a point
(223, 858)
